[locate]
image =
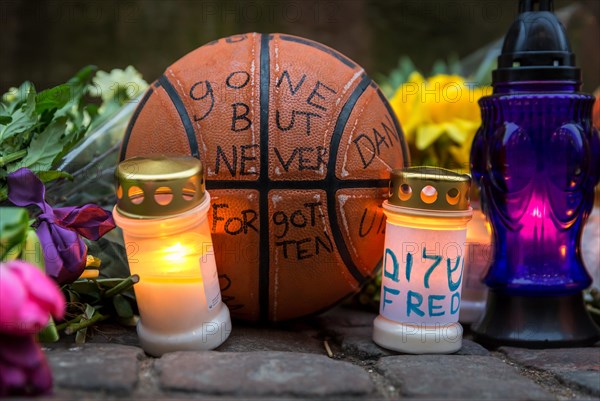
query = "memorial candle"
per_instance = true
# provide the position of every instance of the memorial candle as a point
(162, 209)
(535, 160)
(427, 213)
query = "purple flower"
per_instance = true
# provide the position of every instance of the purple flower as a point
(60, 229)
(27, 300)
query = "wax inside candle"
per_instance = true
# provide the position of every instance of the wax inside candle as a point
(178, 279)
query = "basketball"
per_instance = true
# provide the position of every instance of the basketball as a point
(297, 144)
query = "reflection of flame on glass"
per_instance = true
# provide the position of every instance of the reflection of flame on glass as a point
(536, 212)
(536, 221)
(563, 250)
(177, 253)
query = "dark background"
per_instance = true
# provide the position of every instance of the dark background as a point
(47, 41)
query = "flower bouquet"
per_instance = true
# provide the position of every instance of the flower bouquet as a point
(59, 147)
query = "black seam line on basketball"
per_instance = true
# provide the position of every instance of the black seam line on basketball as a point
(263, 180)
(321, 47)
(134, 118)
(333, 182)
(297, 184)
(399, 132)
(183, 115)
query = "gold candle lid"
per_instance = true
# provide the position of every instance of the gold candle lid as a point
(430, 188)
(154, 187)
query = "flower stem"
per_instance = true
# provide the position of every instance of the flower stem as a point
(122, 286)
(72, 328)
(64, 325)
(11, 157)
(49, 334)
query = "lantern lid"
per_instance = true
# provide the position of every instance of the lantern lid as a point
(430, 188)
(156, 187)
(536, 47)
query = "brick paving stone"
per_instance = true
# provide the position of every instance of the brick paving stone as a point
(357, 341)
(255, 374)
(106, 367)
(579, 367)
(588, 381)
(458, 377)
(470, 347)
(346, 317)
(556, 359)
(247, 339)
(363, 347)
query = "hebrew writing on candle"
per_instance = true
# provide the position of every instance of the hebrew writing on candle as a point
(423, 261)
(422, 280)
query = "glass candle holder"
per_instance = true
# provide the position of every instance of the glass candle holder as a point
(162, 208)
(427, 214)
(536, 159)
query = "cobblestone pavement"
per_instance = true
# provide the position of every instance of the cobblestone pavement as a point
(290, 361)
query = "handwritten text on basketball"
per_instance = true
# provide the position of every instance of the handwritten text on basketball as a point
(304, 247)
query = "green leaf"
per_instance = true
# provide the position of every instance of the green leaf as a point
(89, 311)
(44, 147)
(88, 314)
(72, 296)
(80, 336)
(111, 251)
(23, 119)
(14, 223)
(83, 286)
(84, 75)
(439, 67)
(51, 175)
(122, 306)
(69, 142)
(92, 110)
(14, 98)
(13, 253)
(32, 250)
(454, 65)
(77, 88)
(5, 120)
(53, 98)
(406, 66)
(49, 334)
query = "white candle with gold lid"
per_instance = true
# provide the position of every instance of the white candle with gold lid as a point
(427, 213)
(162, 208)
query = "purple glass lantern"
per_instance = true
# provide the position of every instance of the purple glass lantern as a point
(536, 160)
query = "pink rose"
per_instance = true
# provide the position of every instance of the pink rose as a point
(27, 298)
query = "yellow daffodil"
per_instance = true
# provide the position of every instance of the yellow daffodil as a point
(406, 103)
(442, 104)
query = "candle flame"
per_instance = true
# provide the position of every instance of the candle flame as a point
(536, 212)
(563, 250)
(177, 253)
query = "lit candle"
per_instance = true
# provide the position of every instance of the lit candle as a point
(162, 208)
(477, 260)
(427, 214)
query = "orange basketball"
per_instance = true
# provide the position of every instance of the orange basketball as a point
(297, 143)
